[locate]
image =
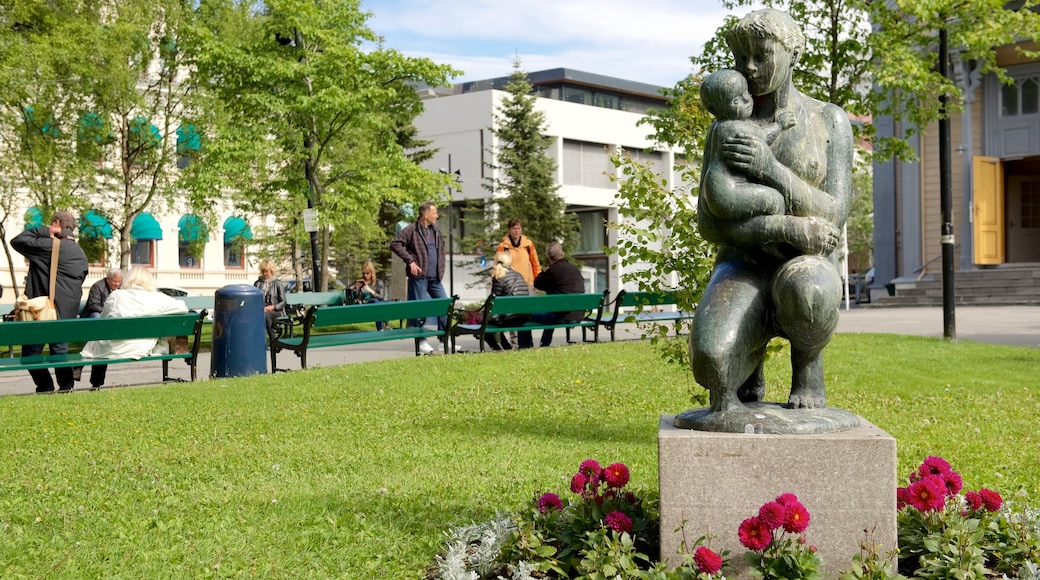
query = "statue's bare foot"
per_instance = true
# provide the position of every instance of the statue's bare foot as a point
(807, 398)
(754, 389)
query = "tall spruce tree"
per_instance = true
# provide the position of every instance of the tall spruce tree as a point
(524, 183)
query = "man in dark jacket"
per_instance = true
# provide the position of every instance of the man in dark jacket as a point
(561, 277)
(421, 247)
(99, 293)
(36, 244)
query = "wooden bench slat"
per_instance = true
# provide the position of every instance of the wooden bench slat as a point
(640, 301)
(589, 304)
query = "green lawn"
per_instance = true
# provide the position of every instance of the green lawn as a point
(356, 471)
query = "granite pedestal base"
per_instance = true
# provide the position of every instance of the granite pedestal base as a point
(713, 481)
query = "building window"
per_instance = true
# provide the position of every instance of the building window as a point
(192, 235)
(142, 253)
(94, 233)
(587, 164)
(236, 235)
(145, 231)
(593, 232)
(1020, 98)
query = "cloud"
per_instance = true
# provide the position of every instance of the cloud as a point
(647, 42)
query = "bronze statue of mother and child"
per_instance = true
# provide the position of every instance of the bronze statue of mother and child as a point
(774, 197)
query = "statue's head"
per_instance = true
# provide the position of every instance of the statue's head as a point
(768, 23)
(725, 94)
(407, 211)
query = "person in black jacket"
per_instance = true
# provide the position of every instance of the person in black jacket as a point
(561, 277)
(421, 246)
(99, 293)
(35, 244)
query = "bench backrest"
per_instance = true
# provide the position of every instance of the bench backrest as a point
(333, 298)
(379, 311)
(197, 302)
(84, 329)
(647, 298)
(545, 303)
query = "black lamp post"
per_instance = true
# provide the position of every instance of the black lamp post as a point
(451, 227)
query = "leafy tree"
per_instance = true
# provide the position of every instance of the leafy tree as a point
(305, 117)
(524, 176)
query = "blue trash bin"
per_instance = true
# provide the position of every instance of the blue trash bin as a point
(239, 331)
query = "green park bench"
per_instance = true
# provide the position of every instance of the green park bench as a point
(519, 306)
(322, 326)
(81, 330)
(643, 307)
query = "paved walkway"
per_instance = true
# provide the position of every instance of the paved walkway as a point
(1012, 325)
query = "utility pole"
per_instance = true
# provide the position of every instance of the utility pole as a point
(946, 239)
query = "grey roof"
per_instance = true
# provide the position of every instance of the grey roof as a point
(572, 77)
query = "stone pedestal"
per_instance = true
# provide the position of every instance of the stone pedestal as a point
(398, 280)
(713, 481)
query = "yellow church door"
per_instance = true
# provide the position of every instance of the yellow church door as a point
(988, 219)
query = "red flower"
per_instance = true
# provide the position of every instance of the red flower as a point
(619, 522)
(591, 469)
(933, 465)
(548, 502)
(991, 500)
(786, 498)
(773, 514)
(974, 500)
(754, 534)
(631, 497)
(616, 475)
(797, 518)
(578, 482)
(902, 497)
(708, 562)
(952, 481)
(927, 493)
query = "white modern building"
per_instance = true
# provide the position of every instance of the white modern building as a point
(590, 116)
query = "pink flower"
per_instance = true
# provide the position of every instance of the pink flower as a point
(797, 518)
(952, 481)
(902, 497)
(619, 522)
(708, 562)
(754, 534)
(991, 500)
(786, 498)
(927, 493)
(578, 482)
(974, 500)
(548, 502)
(933, 465)
(773, 514)
(591, 469)
(616, 475)
(631, 497)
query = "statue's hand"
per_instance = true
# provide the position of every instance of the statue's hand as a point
(748, 154)
(812, 235)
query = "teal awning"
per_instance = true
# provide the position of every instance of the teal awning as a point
(188, 140)
(33, 218)
(94, 225)
(234, 228)
(191, 229)
(145, 227)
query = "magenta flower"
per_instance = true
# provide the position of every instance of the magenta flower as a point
(773, 514)
(708, 562)
(616, 475)
(933, 465)
(902, 497)
(619, 522)
(974, 500)
(549, 502)
(578, 482)
(927, 493)
(591, 469)
(754, 534)
(952, 481)
(797, 518)
(991, 500)
(786, 498)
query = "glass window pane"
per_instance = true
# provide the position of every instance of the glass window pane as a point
(1009, 100)
(1030, 96)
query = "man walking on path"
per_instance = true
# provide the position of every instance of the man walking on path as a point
(421, 247)
(36, 245)
(561, 277)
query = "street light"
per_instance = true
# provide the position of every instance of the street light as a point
(451, 226)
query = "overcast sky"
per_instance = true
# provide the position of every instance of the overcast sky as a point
(644, 40)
